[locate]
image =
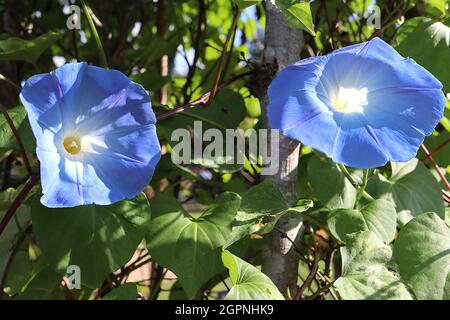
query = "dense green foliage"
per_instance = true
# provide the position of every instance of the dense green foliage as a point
(198, 230)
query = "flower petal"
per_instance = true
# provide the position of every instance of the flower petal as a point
(404, 103)
(114, 122)
(124, 163)
(376, 65)
(402, 118)
(356, 144)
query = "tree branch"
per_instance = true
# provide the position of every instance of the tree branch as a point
(203, 100)
(282, 47)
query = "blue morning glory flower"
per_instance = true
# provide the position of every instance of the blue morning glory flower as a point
(362, 105)
(95, 132)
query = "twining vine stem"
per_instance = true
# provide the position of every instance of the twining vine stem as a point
(435, 165)
(18, 139)
(18, 201)
(435, 150)
(360, 189)
(101, 51)
(12, 255)
(218, 74)
(12, 84)
(203, 100)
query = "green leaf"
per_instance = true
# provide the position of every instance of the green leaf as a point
(226, 112)
(297, 15)
(264, 198)
(8, 240)
(248, 282)
(98, 239)
(151, 79)
(18, 116)
(253, 106)
(190, 247)
(422, 254)
(242, 4)
(412, 189)
(329, 185)
(428, 43)
(364, 272)
(26, 50)
(127, 291)
(378, 216)
(434, 8)
(445, 121)
(261, 207)
(447, 216)
(43, 286)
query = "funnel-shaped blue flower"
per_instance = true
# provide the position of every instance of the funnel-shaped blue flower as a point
(362, 105)
(95, 132)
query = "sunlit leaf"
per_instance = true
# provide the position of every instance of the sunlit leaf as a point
(248, 282)
(428, 43)
(364, 271)
(28, 50)
(98, 239)
(411, 188)
(190, 247)
(422, 254)
(378, 216)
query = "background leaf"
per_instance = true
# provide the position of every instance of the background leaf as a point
(19, 117)
(98, 239)
(242, 4)
(127, 291)
(364, 272)
(422, 253)
(27, 50)
(428, 43)
(261, 207)
(297, 14)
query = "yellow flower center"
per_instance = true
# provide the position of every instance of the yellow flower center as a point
(349, 100)
(72, 144)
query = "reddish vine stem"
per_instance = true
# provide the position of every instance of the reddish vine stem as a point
(12, 255)
(203, 100)
(436, 167)
(435, 150)
(310, 278)
(446, 196)
(18, 139)
(11, 83)
(17, 202)
(218, 74)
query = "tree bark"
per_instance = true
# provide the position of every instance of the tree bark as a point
(282, 47)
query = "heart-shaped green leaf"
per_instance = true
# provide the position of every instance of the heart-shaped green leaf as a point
(428, 42)
(364, 272)
(379, 216)
(261, 207)
(422, 254)
(188, 246)
(26, 50)
(248, 282)
(98, 239)
(411, 188)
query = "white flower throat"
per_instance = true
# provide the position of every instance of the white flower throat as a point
(349, 100)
